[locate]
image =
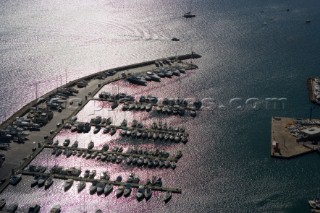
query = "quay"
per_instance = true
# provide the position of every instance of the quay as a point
(283, 144)
(20, 155)
(115, 183)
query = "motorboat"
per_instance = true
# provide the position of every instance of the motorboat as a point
(315, 203)
(100, 188)
(96, 129)
(67, 184)
(99, 211)
(119, 191)
(58, 152)
(56, 209)
(34, 182)
(175, 39)
(113, 131)
(91, 145)
(34, 209)
(127, 190)
(93, 188)
(147, 193)
(15, 179)
(106, 130)
(66, 142)
(92, 174)
(86, 173)
(81, 185)
(167, 196)
(42, 180)
(11, 208)
(2, 203)
(140, 193)
(75, 144)
(136, 80)
(108, 189)
(105, 147)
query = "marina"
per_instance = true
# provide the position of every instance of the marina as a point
(46, 120)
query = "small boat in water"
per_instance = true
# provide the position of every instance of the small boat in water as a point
(41, 181)
(67, 184)
(99, 211)
(11, 208)
(92, 174)
(167, 196)
(15, 179)
(66, 142)
(100, 188)
(93, 188)
(107, 189)
(315, 203)
(75, 144)
(34, 209)
(34, 182)
(48, 182)
(127, 190)
(140, 193)
(119, 191)
(147, 193)
(56, 209)
(81, 185)
(2, 203)
(96, 129)
(91, 145)
(189, 15)
(137, 80)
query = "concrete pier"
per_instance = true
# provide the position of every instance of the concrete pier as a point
(283, 144)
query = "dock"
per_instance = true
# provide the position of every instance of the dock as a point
(171, 159)
(115, 183)
(310, 85)
(283, 144)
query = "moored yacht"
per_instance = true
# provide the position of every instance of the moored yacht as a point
(67, 184)
(81, 185)
(119, 191)
(91, 145)
(56, 209)
(140, 193)
(15, 179)
(108, 189)
(167, 196)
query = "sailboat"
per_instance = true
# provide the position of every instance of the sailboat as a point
(189, 14)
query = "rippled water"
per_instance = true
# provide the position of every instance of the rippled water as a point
(249, 48)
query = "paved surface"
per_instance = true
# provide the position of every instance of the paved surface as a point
(288, 146)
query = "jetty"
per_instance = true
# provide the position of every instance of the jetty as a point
(124, 154)
(115, 183)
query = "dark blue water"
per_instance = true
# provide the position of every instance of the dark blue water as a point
(249, 48)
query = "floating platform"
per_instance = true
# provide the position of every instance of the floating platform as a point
(283, 144)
